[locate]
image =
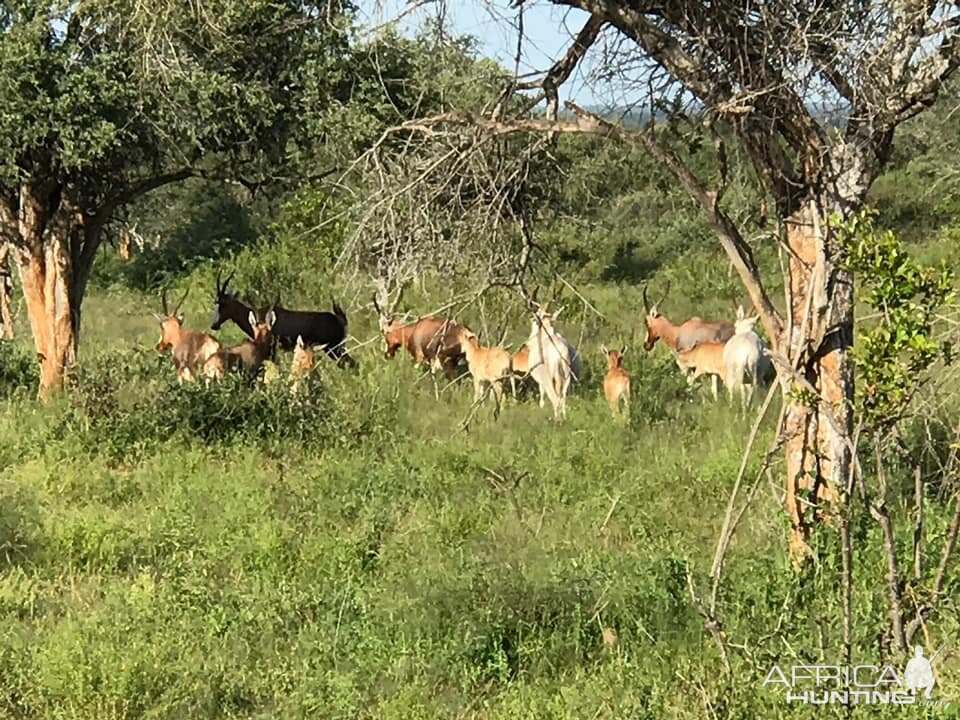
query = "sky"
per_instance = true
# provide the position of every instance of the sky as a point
(548, 32)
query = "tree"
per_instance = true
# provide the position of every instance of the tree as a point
(102, 102)
(812, 92)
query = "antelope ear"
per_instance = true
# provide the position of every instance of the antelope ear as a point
(556, 313)
(181, 318)
(603, 349)
(159, 317)
(740, 312)
(252, 318)
(623, 351)
(300, 341)
(271, 319)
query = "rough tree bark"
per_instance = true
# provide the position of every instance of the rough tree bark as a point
(45, 224)
(6, 292)
(817, 340)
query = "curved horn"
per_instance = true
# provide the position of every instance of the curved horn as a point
(182, 300)
(665, 293)
(163, 300)
(217, 284)
(646, 300)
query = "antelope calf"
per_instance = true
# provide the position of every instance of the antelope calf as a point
(249, 355)
(190, 350)
(616, 383)
(303, 362)
(489, 367)
(704, 359)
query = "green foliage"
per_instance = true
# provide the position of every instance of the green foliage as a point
(893, 354)
(19, 369)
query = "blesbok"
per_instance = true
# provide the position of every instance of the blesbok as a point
(190, 350)
(554, 363)
(744, 358)
(685, 336)
(704, 359)
(681, 337)
(303, 362)
(315, 327)
(490, 367)
(249, 355)
(616, 383)
(431, 341)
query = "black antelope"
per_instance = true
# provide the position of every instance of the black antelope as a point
(190, 350)
(316, 328)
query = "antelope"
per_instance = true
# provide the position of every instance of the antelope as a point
(249, 355)
(303, 363)
(553, 361)
(684, 336)
(704, 359)
(616, 383)
(316, 328)
(489, 367)
(744, 358)
(430, 341)
(190, 350)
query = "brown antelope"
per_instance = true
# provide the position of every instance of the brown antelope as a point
(303, 362)
(554, 362)
(616, 383)
(684, 336)
(249, 355)
(704, 359)
(430, 341)
(190, 350)
(489, 367)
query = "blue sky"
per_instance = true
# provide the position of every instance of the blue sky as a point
(548, 31)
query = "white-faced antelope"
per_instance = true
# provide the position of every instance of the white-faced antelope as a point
(490, 368)
(190, 350)
(616, 383)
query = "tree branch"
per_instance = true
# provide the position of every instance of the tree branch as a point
(561, 70)
(733, 243)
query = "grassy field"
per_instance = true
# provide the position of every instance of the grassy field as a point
(192, 552)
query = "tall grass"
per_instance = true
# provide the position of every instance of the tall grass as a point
(231, 551)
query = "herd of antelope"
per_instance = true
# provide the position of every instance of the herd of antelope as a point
(731, 352)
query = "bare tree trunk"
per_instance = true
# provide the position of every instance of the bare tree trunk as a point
(818, 343)
(46, 274)
(6, 293)
(124, 243)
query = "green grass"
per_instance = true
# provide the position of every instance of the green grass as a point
(222, 552)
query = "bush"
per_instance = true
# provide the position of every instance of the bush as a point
(19, 370)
